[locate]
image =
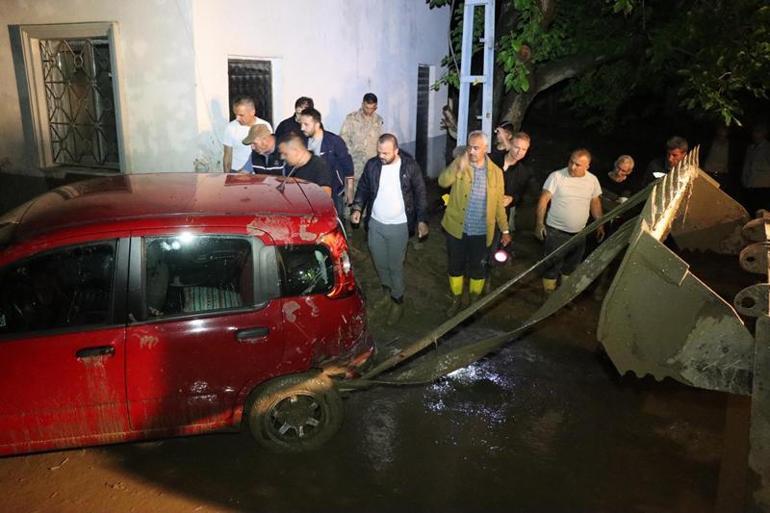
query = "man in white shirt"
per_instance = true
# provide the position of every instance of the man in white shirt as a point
(237, 155)
(392, 192)
(572, 193)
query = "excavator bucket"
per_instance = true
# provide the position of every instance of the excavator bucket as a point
(658, 318)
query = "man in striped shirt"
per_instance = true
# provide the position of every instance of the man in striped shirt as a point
(475, 206)
(265, 158)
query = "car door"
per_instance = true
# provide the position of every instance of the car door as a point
(205, 327)
(62, 350)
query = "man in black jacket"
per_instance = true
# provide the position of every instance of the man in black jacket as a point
(392, 192)
(518, 176)
(291, 124)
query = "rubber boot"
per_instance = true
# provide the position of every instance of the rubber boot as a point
(549, 285)
(396, 311)
(456, 287)
(476, 288)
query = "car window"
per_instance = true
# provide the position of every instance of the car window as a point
(306, 269)
(65, 288)
(191, 274)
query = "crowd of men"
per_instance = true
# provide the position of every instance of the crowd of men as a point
(370, 179)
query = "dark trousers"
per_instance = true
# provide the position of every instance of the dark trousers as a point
(567, 262)
(467, 256)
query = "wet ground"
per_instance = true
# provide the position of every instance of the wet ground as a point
(538, 427)
(544, 425)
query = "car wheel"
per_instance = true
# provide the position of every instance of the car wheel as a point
(295, 413)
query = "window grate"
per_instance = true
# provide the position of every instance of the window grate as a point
(252, 78)
(77, 76)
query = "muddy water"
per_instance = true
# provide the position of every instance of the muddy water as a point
(538, 427)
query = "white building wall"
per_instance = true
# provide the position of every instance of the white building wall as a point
(158, 81)
(332, 50)
(173, 68)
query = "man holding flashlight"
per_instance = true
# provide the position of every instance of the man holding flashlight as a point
(474, 207)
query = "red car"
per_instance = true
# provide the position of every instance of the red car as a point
(154, 305)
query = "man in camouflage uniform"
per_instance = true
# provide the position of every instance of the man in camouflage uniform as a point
(361, 130)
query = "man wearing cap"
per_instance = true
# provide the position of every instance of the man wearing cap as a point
(265, 157)
(236, 154)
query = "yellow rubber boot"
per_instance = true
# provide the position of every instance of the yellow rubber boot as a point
(475, 288)
(456, 286)
(549, 285)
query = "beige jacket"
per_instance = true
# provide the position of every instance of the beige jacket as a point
(360, 133)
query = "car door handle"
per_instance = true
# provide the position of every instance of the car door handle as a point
(251, 333)
(91, 352)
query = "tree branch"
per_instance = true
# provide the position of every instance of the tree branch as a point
(515, 105)
(554, 72)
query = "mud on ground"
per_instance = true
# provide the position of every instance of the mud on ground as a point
(546, 424)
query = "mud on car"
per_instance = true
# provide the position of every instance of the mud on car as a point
(154, 305)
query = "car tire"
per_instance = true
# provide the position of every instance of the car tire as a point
(295, 413)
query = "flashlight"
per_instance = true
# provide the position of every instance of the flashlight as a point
(501, 256)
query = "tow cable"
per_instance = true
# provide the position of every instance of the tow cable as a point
(430, 369)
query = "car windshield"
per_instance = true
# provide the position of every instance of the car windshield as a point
(9, 220)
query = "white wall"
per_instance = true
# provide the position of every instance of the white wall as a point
(332, 50)
(173, 56)
(156, 54)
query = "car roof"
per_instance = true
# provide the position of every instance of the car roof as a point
(167, 195)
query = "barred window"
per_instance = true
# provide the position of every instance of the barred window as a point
(80, 103)
(75, 107)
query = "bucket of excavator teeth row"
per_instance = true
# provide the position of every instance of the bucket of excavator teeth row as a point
(657, 317)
